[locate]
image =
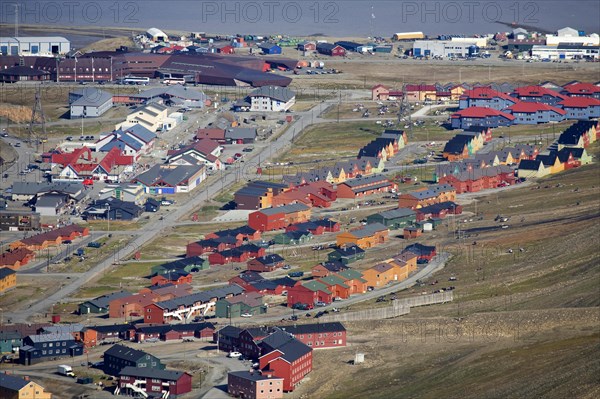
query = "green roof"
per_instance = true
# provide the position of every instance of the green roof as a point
(316, 286)
(331, 280)
(350, 274)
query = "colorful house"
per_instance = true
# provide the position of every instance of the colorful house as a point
(279, 217)
(363, 186)
(14, 387)
(364, 237)
(486, 97)
(531, 113)
(167, 383)
(8, 279)
(267, 263)
(308, 293)
(480, 117)
(394, 218)
(326, 268)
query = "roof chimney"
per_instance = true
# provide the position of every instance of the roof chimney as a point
(26, 377)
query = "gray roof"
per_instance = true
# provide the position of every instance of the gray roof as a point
(50, 201)
(104, 300)
(33, 188)
(172, 176)
(240, 133)
(314, 328)
(125, 353)
(201, 297)
(139, 132)
(178, 91)
(371, 179)
(397, 213)
(51, 337)
(91, 97)
(275, 92)
(285, 209)
(277, 339)
(63, 328)
(12, 383)
(252, 376)
(368, 230)
(148, 372)
(293, 350)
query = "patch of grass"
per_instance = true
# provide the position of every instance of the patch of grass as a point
(331, 141)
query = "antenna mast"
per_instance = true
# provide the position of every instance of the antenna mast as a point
(37, 112)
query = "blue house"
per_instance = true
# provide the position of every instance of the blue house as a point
(270, 48)
(37, 348)
(538, 94)
(580, 107)
(9, 340)
(531, 113)
(486, 97)
(480, 117)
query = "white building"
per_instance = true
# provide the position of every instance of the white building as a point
(272, 98)
(571, 36)
(477, 41)
(441, 48)
(565, 52)
(47, 46)
(89, 102)
(157, 35)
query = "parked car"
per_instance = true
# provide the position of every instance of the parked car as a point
(234, 355)
(286, 267)
(296, 274)
(320, 303)
(246, 315)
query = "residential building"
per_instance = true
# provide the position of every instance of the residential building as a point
(189, 264)
(279, 217)
(530, 113)
(324, 269)
(152, 381)
(151, 116)
(10, 341)
(364, 237)
(50, 238)
(429, 195)
(272, 98)
(257, 194)
(240, 135)
(480, 118)
(37, 348)
(420, 93)
(582, 108)
(308, 293)
(394, 218)
(118, 357)
(16, 258)
(101, 303)
(171, 179)
(347, 254)
(124, 192)
(425, 253)
(267, 263)
(287, 359)
(362, 186)
(172, 277)
(249, 303)
(89, 102)
(319, 335)
(254, 385)
(170, 332)
(112, 209)
(538, 94)
(13, 387)
(8, 279)
(486, 97)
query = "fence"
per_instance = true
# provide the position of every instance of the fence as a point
(399, 307)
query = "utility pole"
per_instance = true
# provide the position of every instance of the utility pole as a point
(37, 111)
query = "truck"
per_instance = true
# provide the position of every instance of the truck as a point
(65, 370)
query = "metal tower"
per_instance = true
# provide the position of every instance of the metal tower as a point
(37, 112)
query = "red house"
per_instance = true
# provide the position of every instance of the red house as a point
(154, 381)
(267, 263)
(320, 335)
(278, 217)
(438, 211)
(424, 252)
(308, 294)
(246, 278)
(243, 233)
(285, 357)
(227, 50)
(173, 277)
(16, 258)
(235, 255)
(209, 245)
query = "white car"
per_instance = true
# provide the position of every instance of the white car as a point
(234, 355)
(246, 315)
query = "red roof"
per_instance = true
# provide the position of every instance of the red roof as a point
(115, 158)
(582, 88)
(378, 86)
(579, 102)
(536, 91)
(420, 88)
(66, 158)
(487, 92)
(481, 112)
(212, 134)
(532, 107)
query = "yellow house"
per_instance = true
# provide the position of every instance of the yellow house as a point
(551, 163)
(505, 157)
(12, 387)
(456, 92)
(530, 169)
(150, 116)
(8, 279)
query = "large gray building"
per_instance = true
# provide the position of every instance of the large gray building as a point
(89, 102)
(444, 48)
(34, 45)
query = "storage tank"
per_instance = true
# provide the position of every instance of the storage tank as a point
(427, 226)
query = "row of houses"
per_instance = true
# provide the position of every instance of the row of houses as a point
(486, 107)
(333, 280)
(53, 237)
(464, 145)
(568, 152)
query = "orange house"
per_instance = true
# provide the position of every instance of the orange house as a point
(354, 280)
(17, 258)
(89, 337)
(54, 237)
(337, 286)
(430, 195)
(408, 257)
(365, 237)
(381, 274)
(174, 277)
(403, 268)
(412, 232)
